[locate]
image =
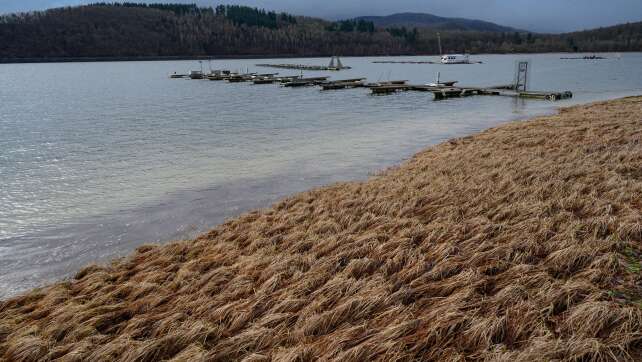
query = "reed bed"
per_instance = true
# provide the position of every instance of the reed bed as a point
(520, 243)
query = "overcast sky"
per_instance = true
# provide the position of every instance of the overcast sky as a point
(535, 15)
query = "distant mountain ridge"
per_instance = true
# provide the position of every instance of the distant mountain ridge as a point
(423, 20)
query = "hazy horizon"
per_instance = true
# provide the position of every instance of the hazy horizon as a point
(542, 16)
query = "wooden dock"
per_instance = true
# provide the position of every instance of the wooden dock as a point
(551, 96)
(404, 62)
(452, 92)
(385, 83)
(393, 88)
(442, 92)
(267, 78)
(264, 81)
(289, 79)
(420, 62)
(346, 85)
(465, 92)
(303, 82)
(343, 84)
(238, 78)
(335, 65)
(304, 67)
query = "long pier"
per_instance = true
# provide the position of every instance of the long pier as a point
(442, 90)
(335, 65)
(304, 67)
(420, 62)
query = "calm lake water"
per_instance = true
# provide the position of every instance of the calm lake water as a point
(99, 158)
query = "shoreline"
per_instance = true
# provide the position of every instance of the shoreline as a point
(379, 262)
(232, 57)
(121, 232)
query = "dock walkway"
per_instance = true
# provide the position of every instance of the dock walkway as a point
(303, 67)
(452, 92)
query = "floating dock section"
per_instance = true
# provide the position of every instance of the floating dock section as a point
(404, 62)
(421, 62)
(303, 67)
(455, 92)
(335, 65)
(303, 82)
(343, 84)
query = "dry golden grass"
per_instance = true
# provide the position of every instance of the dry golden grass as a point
(520, 243)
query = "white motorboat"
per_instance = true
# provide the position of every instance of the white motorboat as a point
(455, 59)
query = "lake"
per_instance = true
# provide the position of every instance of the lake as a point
(99, 158)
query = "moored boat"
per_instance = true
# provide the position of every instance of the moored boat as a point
(196, 74)
(264, 80)
(443, 84)
(455, 59)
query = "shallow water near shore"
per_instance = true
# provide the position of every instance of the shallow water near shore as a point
(99, 158)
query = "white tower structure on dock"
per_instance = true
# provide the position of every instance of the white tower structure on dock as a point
(335, 63)
(332, 65)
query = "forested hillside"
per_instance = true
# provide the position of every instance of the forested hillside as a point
(160, 30)
(180, 30)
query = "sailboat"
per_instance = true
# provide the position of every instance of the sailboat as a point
(442, 84)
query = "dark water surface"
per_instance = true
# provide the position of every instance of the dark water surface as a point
(98, 158)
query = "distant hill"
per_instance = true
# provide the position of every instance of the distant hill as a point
(623, 37)
(421, 20)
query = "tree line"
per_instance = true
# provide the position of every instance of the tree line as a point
(140, 30)
(350, 25)
(178, 9)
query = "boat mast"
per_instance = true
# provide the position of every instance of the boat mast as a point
(439, 43)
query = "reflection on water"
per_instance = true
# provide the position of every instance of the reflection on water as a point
(519, 105)
(97, 158)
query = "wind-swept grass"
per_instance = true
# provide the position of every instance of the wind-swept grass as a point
(521, 243)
